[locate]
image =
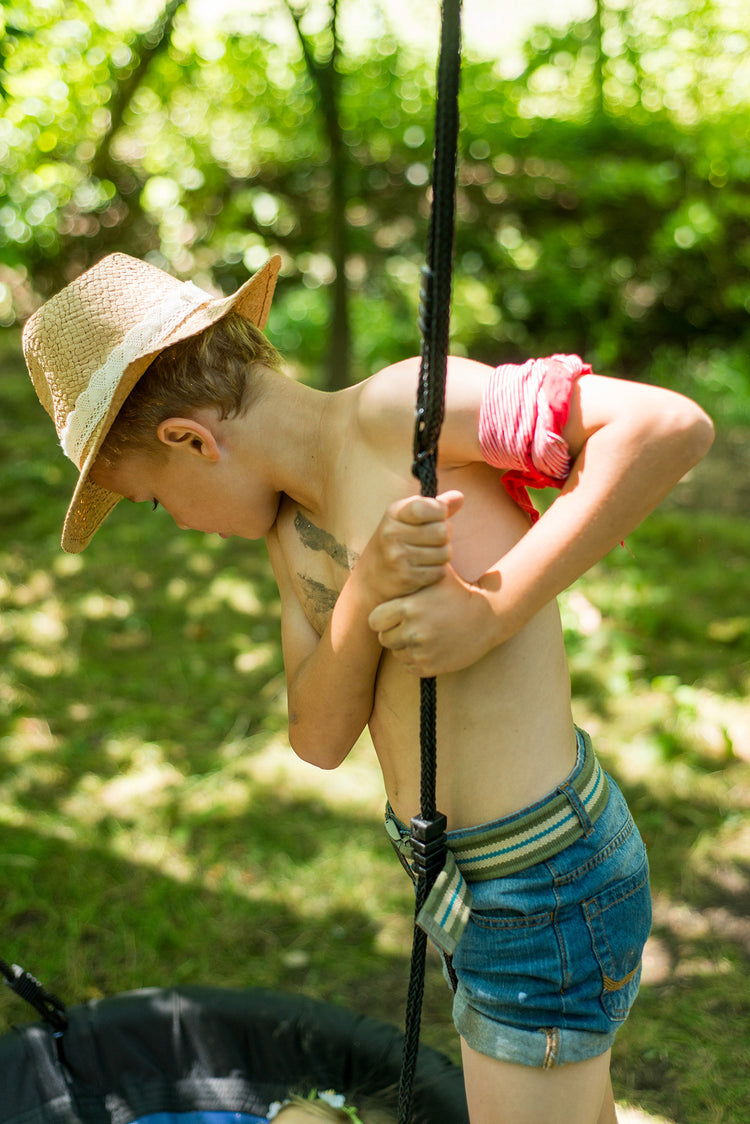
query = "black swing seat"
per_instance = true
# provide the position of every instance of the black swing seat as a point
(200, 1049)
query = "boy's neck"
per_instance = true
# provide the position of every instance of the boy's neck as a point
(292, 433)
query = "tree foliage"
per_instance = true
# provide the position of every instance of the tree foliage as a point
(603, 196)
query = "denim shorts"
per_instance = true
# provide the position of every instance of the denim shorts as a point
(549, 964)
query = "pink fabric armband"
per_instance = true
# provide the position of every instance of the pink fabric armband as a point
(523, 413)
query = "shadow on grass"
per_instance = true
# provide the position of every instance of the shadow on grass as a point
(90, 923)
(670, 607)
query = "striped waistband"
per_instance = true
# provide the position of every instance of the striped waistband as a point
(507, 845)
(543, 831)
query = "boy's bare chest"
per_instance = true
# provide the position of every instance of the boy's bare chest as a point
(321, 549)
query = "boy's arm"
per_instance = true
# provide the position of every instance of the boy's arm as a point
(331, 678)
(629, 445)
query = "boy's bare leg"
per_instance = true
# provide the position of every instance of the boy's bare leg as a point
(503, 1093)
(608, 1114)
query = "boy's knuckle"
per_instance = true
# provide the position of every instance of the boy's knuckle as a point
(392, 552)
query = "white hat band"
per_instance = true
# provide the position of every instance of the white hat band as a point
(93, 402)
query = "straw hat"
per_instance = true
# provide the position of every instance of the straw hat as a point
(87, 347)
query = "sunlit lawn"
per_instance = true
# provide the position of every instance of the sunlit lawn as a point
(155, 827)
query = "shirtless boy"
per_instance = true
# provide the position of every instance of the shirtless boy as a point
(380, 586)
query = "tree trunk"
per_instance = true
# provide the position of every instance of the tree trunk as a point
(326, 79)
(74, 252)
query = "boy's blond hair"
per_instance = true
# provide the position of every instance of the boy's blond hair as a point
(211, 369)
(321, 1110)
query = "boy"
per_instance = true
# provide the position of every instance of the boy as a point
(163, 394)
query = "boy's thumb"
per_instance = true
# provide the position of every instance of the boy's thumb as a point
(453, 501)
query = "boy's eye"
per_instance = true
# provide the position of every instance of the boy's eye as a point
(154, 504)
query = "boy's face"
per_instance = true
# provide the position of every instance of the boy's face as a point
(200, 494)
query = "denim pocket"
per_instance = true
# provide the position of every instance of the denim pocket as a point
(524, 900)
(619, 921)
(504, 919)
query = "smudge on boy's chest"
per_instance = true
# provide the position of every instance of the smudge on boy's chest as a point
(316, 539)
(322, 568)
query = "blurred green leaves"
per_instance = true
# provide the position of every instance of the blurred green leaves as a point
(603, 196)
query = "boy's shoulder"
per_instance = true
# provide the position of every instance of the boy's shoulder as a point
(384, 406)
(387, 401)
(400, 380)
(392, 387)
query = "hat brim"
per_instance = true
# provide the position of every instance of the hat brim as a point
(91, 503)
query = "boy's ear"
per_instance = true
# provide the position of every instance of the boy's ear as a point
(190, 435)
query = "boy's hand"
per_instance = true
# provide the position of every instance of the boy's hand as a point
(441, 628)
(432, 621)
(411, 547)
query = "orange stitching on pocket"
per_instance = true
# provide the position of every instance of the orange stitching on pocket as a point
(617, 985)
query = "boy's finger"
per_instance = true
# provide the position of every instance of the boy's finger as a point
(387, 615)
(425, 509)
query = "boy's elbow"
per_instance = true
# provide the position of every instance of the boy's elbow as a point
(706, 433)
(696, 432)
(316, 747)
(679, 428)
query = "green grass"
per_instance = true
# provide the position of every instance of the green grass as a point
(155, 828)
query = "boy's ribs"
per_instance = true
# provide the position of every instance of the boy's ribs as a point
(314, 538)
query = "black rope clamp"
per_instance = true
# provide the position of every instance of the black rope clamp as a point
(28, 987)
(428, 845)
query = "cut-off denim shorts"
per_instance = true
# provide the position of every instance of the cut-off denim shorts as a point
(549, 964)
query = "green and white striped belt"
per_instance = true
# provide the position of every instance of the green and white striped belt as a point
(505, 847)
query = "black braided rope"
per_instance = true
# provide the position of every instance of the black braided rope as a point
(435, 295)
(434, 324)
